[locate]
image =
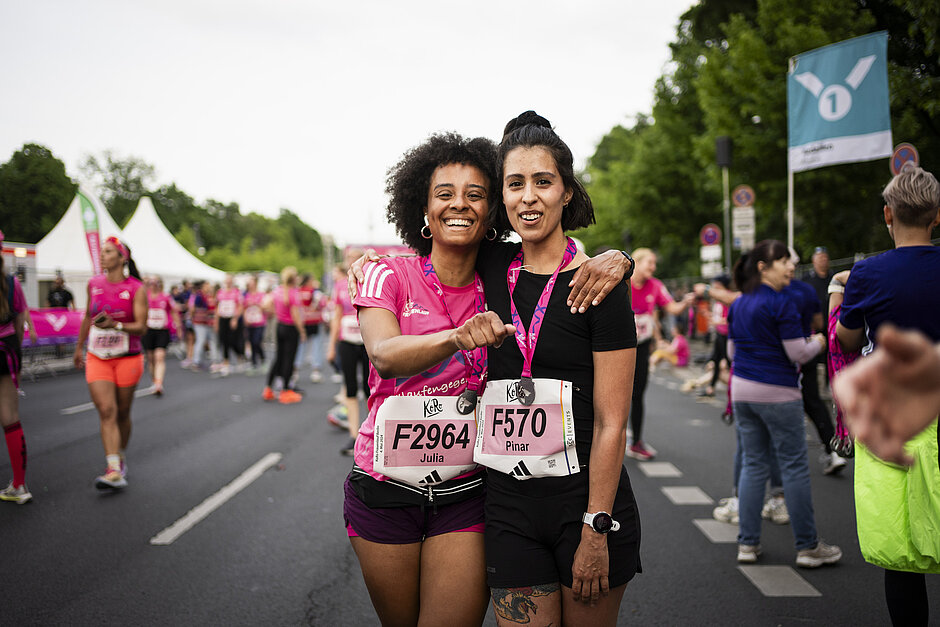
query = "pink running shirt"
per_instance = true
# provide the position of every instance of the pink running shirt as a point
(254, 312)
(282, 309)
(117, 299)
(159, 311)
(349, 319)
(397, 284)
(227, 302)
(646, 299)
(19, 305)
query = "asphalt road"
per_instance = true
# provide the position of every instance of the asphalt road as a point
(275, 552)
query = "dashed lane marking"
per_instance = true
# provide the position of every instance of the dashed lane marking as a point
(779, 581)
(214, 502)
(659, 469)
(691, 495)
(716, 531)
(77, 409)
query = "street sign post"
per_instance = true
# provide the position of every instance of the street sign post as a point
(710, 235)
(903, 153)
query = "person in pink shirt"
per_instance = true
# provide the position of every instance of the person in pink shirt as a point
(290, 332)
(256, 319)
(115, 319)
(161, 313)
(675, 352)
(648, 296)
(312, 303)
(13, 315)
(229, 308)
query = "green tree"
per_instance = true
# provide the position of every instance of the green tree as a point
(120, 181)
(35, 192)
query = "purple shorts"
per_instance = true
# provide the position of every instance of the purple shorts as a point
(407, 525)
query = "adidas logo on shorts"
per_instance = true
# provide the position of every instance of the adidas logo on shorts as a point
(521, 470)
(434, 477)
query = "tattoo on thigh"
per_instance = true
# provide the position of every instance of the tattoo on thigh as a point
(515, 604)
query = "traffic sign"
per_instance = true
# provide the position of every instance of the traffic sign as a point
(710, 235)
(743, 196)
(711, 269)
(903, 153)
(710, 253)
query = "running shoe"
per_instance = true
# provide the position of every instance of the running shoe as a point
(225, 371)
(294, 378)
(338, 417)
(641, 452)
(158, 389)
(727, 510)
(186, 363)
(215, 368)
(336, 377)
(822, 554)
(349, 449)
(268, 394)
(748, 553)
(316, 377)
(18, 495)
(834, 464)
(112, 479)
(775, 510)
(287, 397)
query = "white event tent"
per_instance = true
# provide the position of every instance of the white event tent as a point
(156, 251)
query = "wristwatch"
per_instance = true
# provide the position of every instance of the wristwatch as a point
(626, 277)
(601, 522)
(119, 326)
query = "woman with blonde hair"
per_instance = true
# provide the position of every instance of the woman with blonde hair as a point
(290, 332)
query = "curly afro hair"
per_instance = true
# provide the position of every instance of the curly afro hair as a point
(408, 180)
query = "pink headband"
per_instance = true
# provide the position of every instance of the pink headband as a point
(119, 245)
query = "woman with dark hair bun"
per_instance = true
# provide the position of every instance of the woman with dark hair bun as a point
(766, 345)
(562, 527)
(115, 320)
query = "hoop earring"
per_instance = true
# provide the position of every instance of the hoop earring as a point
(491, 234)
(426, 227)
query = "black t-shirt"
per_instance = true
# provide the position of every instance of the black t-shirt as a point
(59, 297)
(821, 285)
(566, 342)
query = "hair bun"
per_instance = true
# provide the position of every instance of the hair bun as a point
(525, 119)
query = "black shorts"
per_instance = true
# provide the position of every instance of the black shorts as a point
(155, 338)
(533, 529)
(10, 355)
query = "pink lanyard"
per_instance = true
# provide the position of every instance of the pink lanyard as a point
(527, 340)
(475, 359)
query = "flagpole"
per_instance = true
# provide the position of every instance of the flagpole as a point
(789, 207)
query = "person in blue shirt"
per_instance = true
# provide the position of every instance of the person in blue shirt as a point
(900, 287)
(766, 342)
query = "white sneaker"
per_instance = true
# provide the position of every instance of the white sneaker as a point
(822, 554)
(727, 510)
(316, 377)
(834, 464)
(748, 554)
(775, 509)
(18, 495)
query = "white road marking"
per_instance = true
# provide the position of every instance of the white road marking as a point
(716, 531)
(77, 409)
(691, 495)
(659, 469)
(779, 581)
(198, 513)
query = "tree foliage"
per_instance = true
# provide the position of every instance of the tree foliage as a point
(35, 192)
(656, 183)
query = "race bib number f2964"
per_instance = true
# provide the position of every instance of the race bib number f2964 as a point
(423, 440)
(527, 441)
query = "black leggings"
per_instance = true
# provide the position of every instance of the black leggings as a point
(814, 406)
(640, 377)
(231, 339)
(256, 338)
(719, 353)
(352, 356)
(288, 337)
(906, 596)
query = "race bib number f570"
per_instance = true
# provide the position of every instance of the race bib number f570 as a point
(423, 440)
(527, 441)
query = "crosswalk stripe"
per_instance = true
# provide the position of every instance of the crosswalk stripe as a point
(659, 469)
(686, 495)
(779, 581)
(716, 531)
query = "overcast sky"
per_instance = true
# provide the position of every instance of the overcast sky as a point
(305, 104)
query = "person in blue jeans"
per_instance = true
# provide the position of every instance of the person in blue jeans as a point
(766, 344)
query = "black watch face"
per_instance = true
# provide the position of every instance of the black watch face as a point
(603, 522)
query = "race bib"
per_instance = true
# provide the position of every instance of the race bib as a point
(645, 323)
(423, 440)
(527, 441)
(226, 308)
(156, 318)
(349, 329)
(108, 343)
(253, 315)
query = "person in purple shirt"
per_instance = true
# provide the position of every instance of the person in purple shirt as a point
(766, 342)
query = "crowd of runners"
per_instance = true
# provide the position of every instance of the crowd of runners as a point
(506, 382)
